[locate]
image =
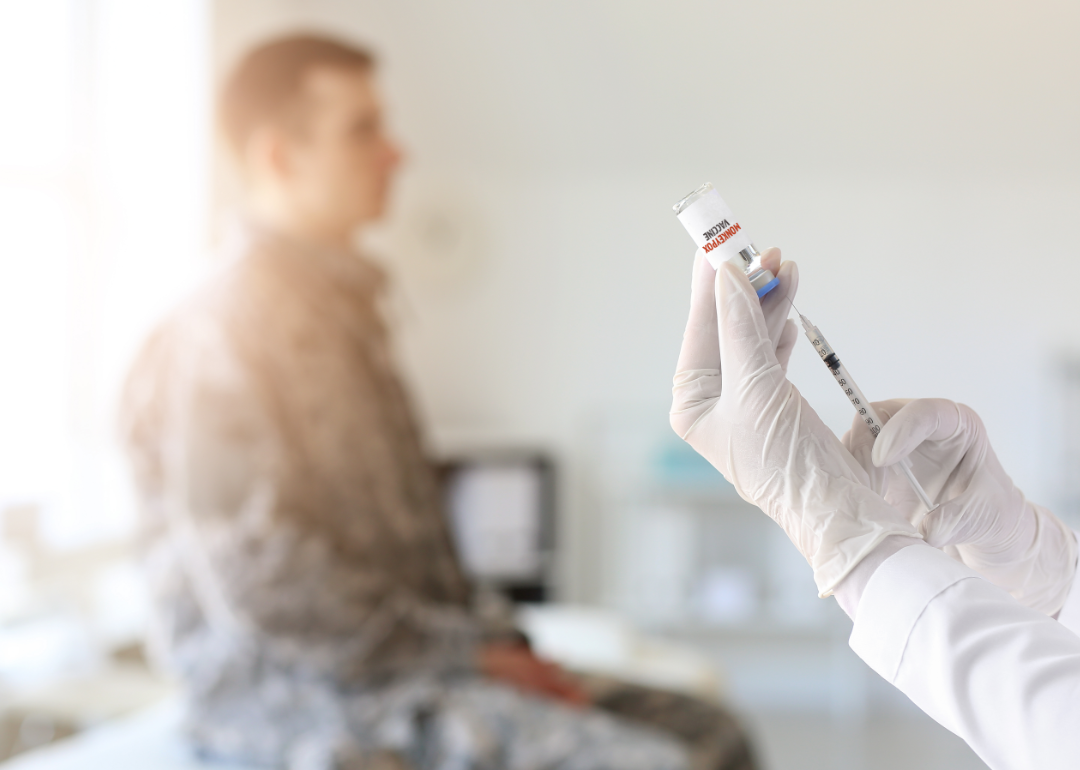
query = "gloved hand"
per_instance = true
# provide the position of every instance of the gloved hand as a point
(980, 516)
(734, 405)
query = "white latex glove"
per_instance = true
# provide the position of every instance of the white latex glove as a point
(980, 516)
(734, 405)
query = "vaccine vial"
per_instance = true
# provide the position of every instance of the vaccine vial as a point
(716, 230)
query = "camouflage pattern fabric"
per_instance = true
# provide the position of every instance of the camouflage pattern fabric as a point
(305, 585)
(713, 736)
(444, 724)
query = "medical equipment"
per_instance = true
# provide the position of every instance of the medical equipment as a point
(714, 228)
(746, 418)
(858, 400)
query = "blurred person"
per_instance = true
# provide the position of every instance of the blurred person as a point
(306, 588)
(971, 609)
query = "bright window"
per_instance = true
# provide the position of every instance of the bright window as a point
(103, 181)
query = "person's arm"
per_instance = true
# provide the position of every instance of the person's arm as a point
(260, 561)
(1002, 676)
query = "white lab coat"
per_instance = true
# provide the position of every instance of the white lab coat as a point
(1003, 677)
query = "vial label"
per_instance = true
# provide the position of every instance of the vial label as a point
(714, 228)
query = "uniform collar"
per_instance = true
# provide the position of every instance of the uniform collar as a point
(342, 267)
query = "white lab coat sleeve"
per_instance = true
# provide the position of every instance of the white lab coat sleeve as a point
(1003, 677)
(1070, 613)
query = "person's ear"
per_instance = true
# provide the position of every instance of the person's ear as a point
(267, 154)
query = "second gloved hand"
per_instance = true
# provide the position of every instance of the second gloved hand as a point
(980, 515)
(733, 404)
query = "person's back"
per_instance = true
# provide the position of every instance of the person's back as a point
(288, 505)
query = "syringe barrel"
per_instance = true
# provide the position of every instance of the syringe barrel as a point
(873, 422)
(843, 378)
(715, 229)
(857, 398)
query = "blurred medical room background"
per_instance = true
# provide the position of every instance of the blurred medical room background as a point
(920, 161)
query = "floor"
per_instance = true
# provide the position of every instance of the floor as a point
(803, 741)
(812, 704)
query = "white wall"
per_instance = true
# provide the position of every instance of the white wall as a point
(920, 161)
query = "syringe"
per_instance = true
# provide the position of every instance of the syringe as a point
(858, 400)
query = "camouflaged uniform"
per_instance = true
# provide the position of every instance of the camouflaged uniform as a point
(305, 585)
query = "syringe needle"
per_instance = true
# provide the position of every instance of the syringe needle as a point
(858, 400)
(792, 303)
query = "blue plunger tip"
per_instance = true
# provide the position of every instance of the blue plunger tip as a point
(768, 287)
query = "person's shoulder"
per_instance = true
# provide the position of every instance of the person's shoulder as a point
(194, 329)
(185, 353)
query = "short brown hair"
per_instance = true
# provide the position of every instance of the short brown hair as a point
(267, 83)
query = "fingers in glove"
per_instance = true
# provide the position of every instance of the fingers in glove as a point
(786, 344)
(959, 521)
(697, 380)
(701, 346)
(746, 350)
(924, 419)
(858, 438)
(770, 260)
(700, 349)
(776, 305)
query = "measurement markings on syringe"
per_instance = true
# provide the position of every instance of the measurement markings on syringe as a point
(832, 361)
